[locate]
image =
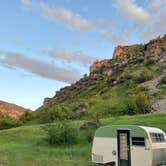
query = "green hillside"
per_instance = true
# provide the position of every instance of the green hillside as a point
(130, 83)
(25, 146)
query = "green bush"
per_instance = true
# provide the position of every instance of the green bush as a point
(142, 103)
(138, 104)
(140, 60)
(6, 123)
(89, 135)
(61, 134)
(53, 114)
(163, 80)
(150, 61)
(27, 116)
(143, 76)
(143, 88)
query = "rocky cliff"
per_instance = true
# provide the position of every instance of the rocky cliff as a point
(113, 83)
(125, 55)
(11, 110)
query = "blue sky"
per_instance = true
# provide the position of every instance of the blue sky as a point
(48, 44)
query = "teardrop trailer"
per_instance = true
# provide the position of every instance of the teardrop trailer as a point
(129, 145)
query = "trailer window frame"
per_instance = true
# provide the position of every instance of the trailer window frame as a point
(138, 141)
(157, 137)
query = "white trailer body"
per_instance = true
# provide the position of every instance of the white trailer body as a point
(129, 146)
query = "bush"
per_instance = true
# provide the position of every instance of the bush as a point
(138, 104)
(163, 80)
(140, 60)
(61, 134)
(143, 88)
(145, 75)
(55, 113)
(27, 116)
(6, 123)
(88, 129)
(150, 61)
(142, 103)
(89, 135)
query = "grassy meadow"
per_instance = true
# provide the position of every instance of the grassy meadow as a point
(25, 145)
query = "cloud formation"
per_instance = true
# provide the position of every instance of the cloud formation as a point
(149, 22)
(67, 17)
(131, 11)
(43, 69)
(70, 56)
(26, 3)
(156, 25)
(144, 22)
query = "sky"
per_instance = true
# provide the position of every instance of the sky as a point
(49, 44)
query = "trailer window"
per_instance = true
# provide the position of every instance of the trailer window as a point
(138, 141)
(157, 137)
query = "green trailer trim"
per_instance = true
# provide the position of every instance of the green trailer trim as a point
(111, 131)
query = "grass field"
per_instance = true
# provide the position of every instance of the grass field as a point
(24, 146)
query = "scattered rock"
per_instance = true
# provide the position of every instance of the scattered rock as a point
(89, 124)
(159, 105)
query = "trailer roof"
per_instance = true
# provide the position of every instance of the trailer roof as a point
(111, 131)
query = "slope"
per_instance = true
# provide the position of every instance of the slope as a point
(24, 146)
(112, 83)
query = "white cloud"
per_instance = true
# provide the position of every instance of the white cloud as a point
(67, 17)
(70, 56)
(43, 69)
(131, 11)
(26, 3)
(156, 25)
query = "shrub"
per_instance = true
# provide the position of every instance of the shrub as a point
(142, 103)
(131, 107)
(89, 135)
(61, 133)
(27, 116)
(112, 79)
(55, 113)
(150, 61)
(163, 80)
(143, 76)
(143, 88)
(87, 130)
(140, 60)
(138, 104)
(6, 123)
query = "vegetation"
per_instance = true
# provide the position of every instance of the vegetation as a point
(138, 104)
(97, 95)
(7, 122)
(61, 133)
(163, 80)
(25, 145)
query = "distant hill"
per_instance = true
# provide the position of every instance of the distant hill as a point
(11, 110)
(113, 83)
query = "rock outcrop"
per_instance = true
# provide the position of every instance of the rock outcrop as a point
(118, 51)
(11, 110)
(124, 55)
(97, 64)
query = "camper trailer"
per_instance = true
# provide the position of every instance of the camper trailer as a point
(129, 146)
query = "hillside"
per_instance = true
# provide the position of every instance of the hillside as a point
(113, 83)
(25, 146)
(11, 110)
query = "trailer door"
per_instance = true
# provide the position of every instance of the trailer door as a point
(124, 157)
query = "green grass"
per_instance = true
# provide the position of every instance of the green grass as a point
(24, 146)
